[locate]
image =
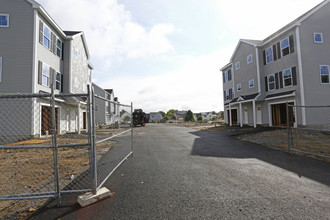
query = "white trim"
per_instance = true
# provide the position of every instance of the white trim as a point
(240, 115)
(258, 70)
(35, 51)
(254, 114)
(272, 54)
(318, 42)
(283, 79)
(233, 79)
(282, 96)
(250, 84)
(70, 66)
(247, 59)
(226, 67)
(270, 118)
(301, 78)
(5, 26)
(319, 72)
(0, 69)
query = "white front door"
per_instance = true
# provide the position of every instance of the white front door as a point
(246, 116)
(259, 121)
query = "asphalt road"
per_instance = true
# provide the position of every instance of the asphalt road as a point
(181, 173)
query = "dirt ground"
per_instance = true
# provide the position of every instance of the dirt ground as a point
(32, 170)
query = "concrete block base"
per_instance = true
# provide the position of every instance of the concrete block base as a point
(89, 198)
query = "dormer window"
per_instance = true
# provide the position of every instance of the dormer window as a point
(4, 20)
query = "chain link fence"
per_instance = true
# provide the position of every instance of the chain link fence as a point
(310, 136)
(50, 144)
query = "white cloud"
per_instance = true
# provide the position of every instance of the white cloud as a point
(196, 85)
(111, 32)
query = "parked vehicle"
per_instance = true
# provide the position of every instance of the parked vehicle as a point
(139, 118)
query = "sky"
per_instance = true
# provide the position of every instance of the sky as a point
(167, 54)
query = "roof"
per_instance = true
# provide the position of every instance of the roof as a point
(109, 90)
(280, 94)
(254, 42)
(244, 98)
(72, 33)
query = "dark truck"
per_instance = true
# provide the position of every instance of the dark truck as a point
(139, 118)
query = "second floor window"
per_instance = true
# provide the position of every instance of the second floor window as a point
(271, 82)
(285, 46)
(59, 48)
(269, 55)
(4, 20)
(324, 71)
(59, 81)
(45, 75)
(287, 77)
(46, 34)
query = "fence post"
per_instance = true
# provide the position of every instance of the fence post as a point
(93, 147)
(288, 125)
(54, 139)
(132, 128)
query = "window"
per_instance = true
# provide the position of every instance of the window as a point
(287, 78)
(227, 95)
(76, 53)
(46, 34)
(45, 74)
(59, 81)
(269, 55)
(59, 48)
(285, 46)
(239, 87)
(251, 83)
(271, 82)
(226, 76)
(324, 71)
(237, 65)
(318, 38)
(249, 59)
(4, 20)
(0, 68)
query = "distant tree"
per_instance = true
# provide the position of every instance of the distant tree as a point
(200, 118)
(171, 112)
(127, 119)
(222, 114)
(213, 118)
(162, 113)
(214, 113)
(189, 116)
(166, 117)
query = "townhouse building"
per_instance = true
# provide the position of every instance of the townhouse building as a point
(155, 117)
(34, 50)
(290, 66)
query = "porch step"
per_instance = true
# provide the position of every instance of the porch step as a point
(90, 198)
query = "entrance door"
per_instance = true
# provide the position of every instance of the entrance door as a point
(46, 120)
(279, 117)
(84, 120)
(259, 122)
(246, 116)
(234, 116)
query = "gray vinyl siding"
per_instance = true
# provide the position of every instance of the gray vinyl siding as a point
(17, 51)
(46, 56)
(246, 72)
(314, 55)
(100, 117)
(228, 85)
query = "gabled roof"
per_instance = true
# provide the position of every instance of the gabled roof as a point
(244, 98)
(109, 90)
(280, 94)
(72, 33)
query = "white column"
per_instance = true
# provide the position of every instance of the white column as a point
(301, 79)
(254, 114)
(240, 115)
(78, 118)
(258, 69)
(230, 121)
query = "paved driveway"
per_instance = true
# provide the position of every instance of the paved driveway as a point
(181, 173)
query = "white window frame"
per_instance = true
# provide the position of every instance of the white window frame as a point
(58, 81)
(283, 72)
(318, 42)
(239, 86)
(6, 15)
(247, 59)
(44, 67)
(288, 46)
(271, 55)
(44, 36)
(273, 74)
(237, 65)
(0, 69)
(59, 48)
(252, 80)
(327, 66)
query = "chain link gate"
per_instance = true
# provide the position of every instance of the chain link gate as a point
(50, 144)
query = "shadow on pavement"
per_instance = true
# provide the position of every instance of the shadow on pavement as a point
(223, 144)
